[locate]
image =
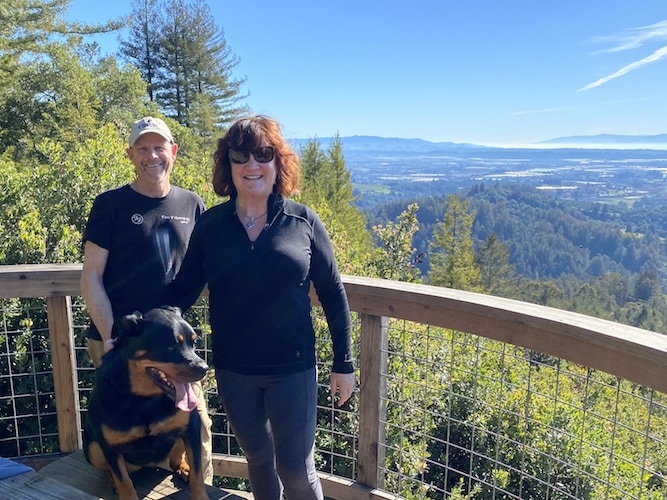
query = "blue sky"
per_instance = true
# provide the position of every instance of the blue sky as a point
(508, 72)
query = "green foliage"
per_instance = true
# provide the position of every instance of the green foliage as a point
(119, 92)
(185, 60)
(25, 27)
(601, 260)
(327, 189)
(451, 251)
(551, 238)
(496, 273)
(45, 204)
(396, 256)
(62, 99)
(548, 237)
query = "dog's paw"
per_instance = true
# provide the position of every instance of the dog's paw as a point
(183, 471)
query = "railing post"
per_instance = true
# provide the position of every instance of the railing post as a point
(372, 399)
(61, 335)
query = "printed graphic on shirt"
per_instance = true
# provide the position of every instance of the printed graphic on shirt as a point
(167, 242)
(176, 218)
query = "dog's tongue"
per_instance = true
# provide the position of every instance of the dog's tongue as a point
(186, 399)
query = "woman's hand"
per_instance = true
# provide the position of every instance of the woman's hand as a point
(342, 384)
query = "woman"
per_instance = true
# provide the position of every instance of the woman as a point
(258, 254)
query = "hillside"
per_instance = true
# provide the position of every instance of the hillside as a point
(549, 237)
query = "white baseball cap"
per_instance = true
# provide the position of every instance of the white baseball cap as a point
(149, 125)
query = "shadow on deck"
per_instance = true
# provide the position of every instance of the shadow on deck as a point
(72, 477)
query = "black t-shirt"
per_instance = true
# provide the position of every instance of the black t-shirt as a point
(146, 239)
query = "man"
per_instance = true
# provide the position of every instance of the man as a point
(135, 240)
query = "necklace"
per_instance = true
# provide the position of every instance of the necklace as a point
(251, 220)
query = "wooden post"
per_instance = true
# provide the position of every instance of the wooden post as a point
(372, 399)
(61, 335)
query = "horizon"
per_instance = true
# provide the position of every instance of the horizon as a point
(515, 72)
(554, 143)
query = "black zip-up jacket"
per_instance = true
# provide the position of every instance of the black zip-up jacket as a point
(259, 303)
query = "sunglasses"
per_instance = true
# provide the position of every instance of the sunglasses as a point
(262, 154)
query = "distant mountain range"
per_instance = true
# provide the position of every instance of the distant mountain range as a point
(373, 144)
(609, 139)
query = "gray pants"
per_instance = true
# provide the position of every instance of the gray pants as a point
(274, 419)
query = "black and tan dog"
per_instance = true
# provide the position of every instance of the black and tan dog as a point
(140, 411)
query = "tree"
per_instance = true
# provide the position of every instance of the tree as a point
(50, 92)
(326, 187)
(313, 170)
(28, 27)
(395, 259)
(25, 26)
(44, 204)
(496, 272)
(143, 48)
(451, 251)
(62, 99)
(185, 60)
(647, 284)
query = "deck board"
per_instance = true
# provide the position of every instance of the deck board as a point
(34, 486)
(151, 484)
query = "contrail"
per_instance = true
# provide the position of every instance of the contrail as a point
(636, 38)
(656, 56)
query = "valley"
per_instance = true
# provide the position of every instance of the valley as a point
(387, 170)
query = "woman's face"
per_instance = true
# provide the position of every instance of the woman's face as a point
(254, 177)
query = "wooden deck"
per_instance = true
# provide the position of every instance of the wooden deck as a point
(72, 478)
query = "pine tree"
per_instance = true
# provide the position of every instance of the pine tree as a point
(25, 27)
(326, 187)
(496, 272)
(29, 27)
(143, 48)
(451, 251)
(186, 62)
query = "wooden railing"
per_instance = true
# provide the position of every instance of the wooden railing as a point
(630, 353)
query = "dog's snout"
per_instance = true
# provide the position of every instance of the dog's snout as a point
(200, 367)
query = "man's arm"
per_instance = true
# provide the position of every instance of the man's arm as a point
(92, 288)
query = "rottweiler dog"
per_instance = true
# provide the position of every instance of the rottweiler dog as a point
(142, 409)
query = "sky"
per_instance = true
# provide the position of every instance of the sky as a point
(497, 73)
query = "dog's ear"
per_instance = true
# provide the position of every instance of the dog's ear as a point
(127, 326)
(174, 309)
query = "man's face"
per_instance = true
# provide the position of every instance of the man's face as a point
(153, 158)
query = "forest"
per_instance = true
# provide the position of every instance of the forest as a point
(605, 260)
(65, 113)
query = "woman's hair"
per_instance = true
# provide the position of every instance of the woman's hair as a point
(247, 134)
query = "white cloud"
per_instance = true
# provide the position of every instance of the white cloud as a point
(633, 38)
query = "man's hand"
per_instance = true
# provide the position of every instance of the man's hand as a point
(342, 384)
(109, 344)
